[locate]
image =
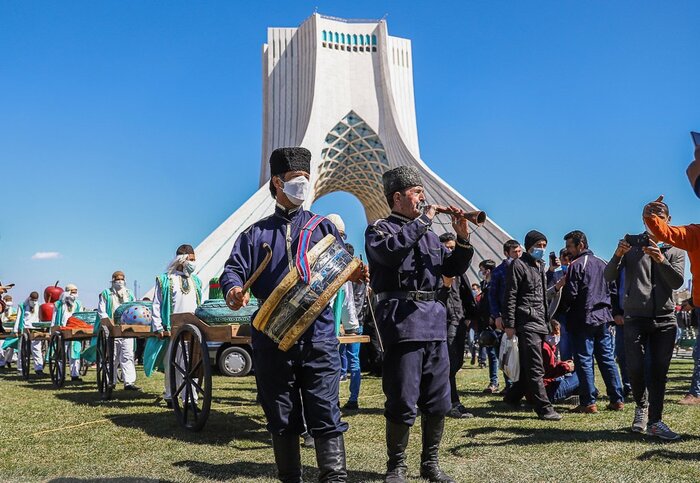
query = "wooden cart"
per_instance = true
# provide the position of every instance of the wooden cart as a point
(190, 370)
(106, 371)
(60, 337)
(29, 335)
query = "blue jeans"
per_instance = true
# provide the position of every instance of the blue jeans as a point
(343, 359)
(352, 353)
(590, 342)
(695, 382)
(562, 388)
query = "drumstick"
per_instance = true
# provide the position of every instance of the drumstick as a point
(256, 274)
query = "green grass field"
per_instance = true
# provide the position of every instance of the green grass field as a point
(69, 435)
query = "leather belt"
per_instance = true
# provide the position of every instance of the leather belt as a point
(416, 295)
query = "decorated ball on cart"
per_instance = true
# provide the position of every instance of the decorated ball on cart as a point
(134, 313)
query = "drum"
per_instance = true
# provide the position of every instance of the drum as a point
(216, 312)
(293, 305)
(134, 313)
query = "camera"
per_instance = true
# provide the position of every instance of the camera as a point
(638, 240)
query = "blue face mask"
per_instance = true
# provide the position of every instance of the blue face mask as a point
(538, 253)
(564, 267)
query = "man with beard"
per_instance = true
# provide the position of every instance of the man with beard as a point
(110, 300)
(407, 262)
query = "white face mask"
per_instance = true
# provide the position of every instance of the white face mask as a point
(552, 340)
(9, 303)
(32, 303)
(297, 189)
(118, 285)
(189, 267)
(70, 297)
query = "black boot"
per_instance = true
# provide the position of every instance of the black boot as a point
(330, 457)
(396, 443)
(432, 427)
(287, 457)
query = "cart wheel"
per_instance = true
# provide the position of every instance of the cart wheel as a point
(190, 377)
(84, 365)
(25, 353)
(105, 364)
(57, 359)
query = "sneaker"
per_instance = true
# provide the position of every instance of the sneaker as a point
(308, 441)
(457, 414)
(641, 418)
(689, 400)
(351, 406)
(344, 378)
(616, 406)
(626, 390)
(590, 409)
(491, 389)
(39, 373)
(661, 431)
(131, 387)
(550, 416)
(76, 379)
(168, 403)
(465, 413)
(573, 400)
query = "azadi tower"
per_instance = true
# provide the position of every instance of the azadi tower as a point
(344, 90)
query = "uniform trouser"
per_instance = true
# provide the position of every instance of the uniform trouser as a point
(7, 356)
(456, 343)
(304, 379)
(124, 356)
(416, 374)
(658, 337)
(531, 379)
(37, 356)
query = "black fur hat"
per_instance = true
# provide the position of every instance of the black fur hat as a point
(290, 159)
(401, 178)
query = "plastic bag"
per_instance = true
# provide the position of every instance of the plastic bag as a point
(509, 358)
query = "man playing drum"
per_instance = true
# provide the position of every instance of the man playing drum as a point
(309, 370)
(407, 262)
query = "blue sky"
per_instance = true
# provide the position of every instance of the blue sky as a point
(127, 128)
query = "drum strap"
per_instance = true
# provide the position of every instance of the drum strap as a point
(302, 261)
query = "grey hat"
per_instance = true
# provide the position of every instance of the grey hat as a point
(401, 178)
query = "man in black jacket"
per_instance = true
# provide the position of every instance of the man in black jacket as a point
(459, 303)
(526, 315)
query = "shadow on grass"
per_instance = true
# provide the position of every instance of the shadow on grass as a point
(250, 469)
(119, 399)
(123, 479)
(666, 455)
(518, 436)
(221, 428)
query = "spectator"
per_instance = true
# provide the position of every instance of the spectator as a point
(586, 303)
(351, 326)
(489, 343)
(692, 398)
(525, 313)
(560, 379)
(652, 273)
(556, 273)
(512, 251)
(686, 238)
(457, 291)
(619, 328)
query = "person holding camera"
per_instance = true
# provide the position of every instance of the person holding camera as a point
(653, 270)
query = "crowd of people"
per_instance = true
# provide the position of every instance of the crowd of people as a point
(563, 313)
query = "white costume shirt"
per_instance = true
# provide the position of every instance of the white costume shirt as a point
(102, 304)
(29, 317)
(182, 303)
